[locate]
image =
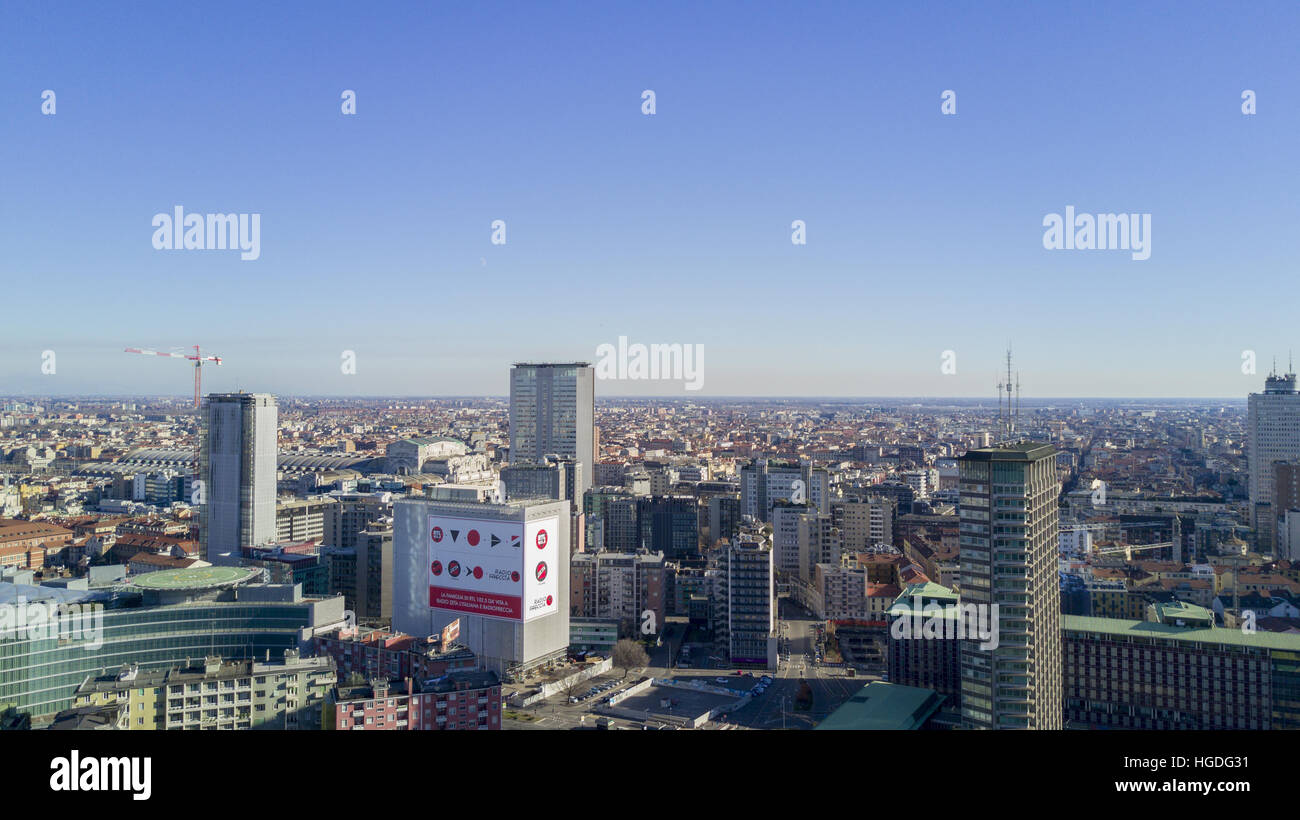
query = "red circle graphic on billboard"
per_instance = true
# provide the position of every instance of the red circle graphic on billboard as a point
(472, 538)
(540, 571)
(437, 568)
(437, 534)
(541, 539)
(478, 573)
(548, 600)
(514, 576)
(453, 569)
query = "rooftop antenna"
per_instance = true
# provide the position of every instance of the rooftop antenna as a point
(1017, 395)
(999, 404)
(1010, 421)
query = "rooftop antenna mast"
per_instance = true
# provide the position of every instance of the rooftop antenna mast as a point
(1017, 395)
(1010, 419)
(999, 425)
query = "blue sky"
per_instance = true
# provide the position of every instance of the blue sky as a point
(924, 230)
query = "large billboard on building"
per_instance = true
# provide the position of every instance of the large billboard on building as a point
(500, 569)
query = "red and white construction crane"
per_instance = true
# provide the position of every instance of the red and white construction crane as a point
(198, 358)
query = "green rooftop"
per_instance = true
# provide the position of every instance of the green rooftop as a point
(928, 592)
(1149, 630)
(1171, 612)
(194, 578)
(880, 706)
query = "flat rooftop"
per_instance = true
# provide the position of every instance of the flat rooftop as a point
(1150, 630)
(194, 578)
(1020, 451)
(885, 706)
(683, 702)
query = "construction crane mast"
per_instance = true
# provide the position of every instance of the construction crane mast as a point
(198, 358)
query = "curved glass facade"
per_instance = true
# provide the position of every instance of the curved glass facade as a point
(40, 675)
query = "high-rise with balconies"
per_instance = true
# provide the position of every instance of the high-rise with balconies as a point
(1008, 536)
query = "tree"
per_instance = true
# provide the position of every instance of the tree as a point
(629, 655)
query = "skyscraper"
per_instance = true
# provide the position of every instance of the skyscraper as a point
(551, 410)
(1272, 434)
(744, 619)
(237, 463)
(1008, 542)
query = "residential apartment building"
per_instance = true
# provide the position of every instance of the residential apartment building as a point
(466, 700)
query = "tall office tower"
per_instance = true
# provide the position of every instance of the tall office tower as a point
(1272, 434)
(502, 570)
(744, 612)
(1008, 543)
(551, 411)
(237, 463)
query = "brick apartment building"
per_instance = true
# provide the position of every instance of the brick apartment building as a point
(467, 699)
(379, 653)
(24, 544)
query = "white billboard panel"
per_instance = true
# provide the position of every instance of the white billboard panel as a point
(501, 569)
(541, 568)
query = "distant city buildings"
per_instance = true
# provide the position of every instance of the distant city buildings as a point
(763, 483)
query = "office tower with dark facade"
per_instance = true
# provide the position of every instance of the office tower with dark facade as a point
(237, 464)
(669, 524)
(930, 661)
(1008, 538)
(744, 611)
(551, 412)
(723, 517)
